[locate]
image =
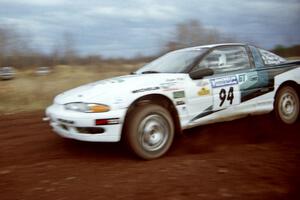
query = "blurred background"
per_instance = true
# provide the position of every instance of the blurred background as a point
(54, 45)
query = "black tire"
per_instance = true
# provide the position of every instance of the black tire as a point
(149, 131)
(287, 105)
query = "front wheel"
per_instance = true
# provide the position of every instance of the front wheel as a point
(149, 131)
(287, 105)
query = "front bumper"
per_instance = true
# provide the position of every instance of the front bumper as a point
(81, 126)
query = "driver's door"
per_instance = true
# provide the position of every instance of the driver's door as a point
(222, 89)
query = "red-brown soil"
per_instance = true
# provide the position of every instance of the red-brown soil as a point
(251, 158)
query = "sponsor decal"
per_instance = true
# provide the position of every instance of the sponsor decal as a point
(224, 81)
(204, 91)
(178, 103)
(145, 89)
(242, 78)
(178, 94)
(171, 89)
(203, 83)
(170, 86)
(167, 85)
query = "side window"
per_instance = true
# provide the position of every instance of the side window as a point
(225, 59)
(270, 58)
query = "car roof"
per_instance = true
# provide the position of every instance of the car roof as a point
(209, 46)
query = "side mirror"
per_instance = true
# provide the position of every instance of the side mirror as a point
(200, 73)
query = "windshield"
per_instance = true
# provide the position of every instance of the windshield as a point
(173, 62)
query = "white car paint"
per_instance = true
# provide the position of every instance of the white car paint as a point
(118, 94)
(197, 102)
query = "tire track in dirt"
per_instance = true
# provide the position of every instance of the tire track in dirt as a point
(251, 158)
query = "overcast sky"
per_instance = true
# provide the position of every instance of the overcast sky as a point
(127, 27)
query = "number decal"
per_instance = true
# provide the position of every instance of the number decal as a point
(230, 96)
(226, 91)
(223, 96)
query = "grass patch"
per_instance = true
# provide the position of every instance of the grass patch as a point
(28, 91)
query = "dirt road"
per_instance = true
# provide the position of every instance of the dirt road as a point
(251, 158)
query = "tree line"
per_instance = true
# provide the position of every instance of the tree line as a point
(15, 48)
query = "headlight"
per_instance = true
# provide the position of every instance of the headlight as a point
(87, 107)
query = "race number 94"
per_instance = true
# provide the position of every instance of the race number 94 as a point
(226, 96)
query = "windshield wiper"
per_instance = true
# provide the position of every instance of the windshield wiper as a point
(150, 72)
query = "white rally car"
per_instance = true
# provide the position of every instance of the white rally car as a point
(180, 90)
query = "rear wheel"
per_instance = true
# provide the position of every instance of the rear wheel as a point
(149, 131)
(287, 105)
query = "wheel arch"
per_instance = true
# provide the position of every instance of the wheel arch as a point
(290, 83)
(157, 99)
(296, 87)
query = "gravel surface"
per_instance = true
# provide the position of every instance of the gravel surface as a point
(251, 158)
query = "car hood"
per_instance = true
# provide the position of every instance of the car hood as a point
(106, 91)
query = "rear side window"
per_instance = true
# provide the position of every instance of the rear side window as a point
(270, 58)
(226, 59)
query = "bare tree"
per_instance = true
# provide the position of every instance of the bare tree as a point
(13, 46)
(193, 33)
(69, 50)
(3, 45)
